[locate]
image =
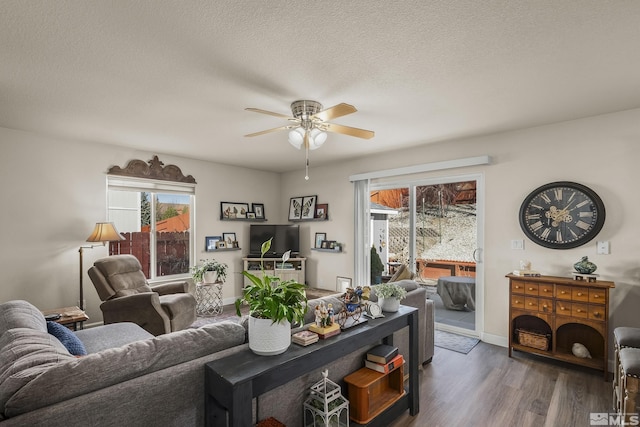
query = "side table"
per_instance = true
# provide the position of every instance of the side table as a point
(71, 317)
(208, 298)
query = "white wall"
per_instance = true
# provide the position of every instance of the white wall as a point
(53, 193)
(600, 152)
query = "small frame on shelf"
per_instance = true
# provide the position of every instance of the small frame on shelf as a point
(221, 244)
(233, 210)
(258, 210)
(210, 243)
(322, 211)
(328, 244)
(229, 239)
(320, 237)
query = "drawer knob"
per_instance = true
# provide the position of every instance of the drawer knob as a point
(530, 303)
(562, 292)
(517, 302)
(530, 289)
(562, 308)
(579, 294)
(544, 306)
(596, 296)
(596, 313)
(578, 310)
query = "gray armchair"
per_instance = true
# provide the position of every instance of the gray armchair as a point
(127, 296)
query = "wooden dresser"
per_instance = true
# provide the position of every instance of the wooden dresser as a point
(548, 314)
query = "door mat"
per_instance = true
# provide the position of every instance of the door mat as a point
(455, 342)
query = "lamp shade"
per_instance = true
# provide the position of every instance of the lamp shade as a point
(296, 137)
(316, 138)
(104, 232)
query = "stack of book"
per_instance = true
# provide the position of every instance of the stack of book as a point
(304, 338)
(383, 358)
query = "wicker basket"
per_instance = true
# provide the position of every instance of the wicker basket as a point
(533, 339)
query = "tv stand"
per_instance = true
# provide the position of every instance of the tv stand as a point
(293, 268)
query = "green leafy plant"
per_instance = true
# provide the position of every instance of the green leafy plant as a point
(390, 290)
(220, 269)
(377, 267)
(269, 297)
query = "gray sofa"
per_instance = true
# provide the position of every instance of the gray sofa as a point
(129, 377)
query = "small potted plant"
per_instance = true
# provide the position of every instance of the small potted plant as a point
(209, 271)
(389, 296)
(274, 304)
(377, 267)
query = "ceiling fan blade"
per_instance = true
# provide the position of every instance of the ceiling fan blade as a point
(271, 113)
(347, 130)
(262, 132)
(334, 112)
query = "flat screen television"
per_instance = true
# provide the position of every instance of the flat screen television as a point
(285, 237)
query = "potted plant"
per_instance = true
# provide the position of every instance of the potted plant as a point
(389, 296)
(377, 267)
(274, 304)
(209, 271)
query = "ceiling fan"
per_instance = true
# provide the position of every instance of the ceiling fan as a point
(309, 125)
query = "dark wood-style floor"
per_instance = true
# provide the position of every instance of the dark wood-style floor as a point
(487, 388)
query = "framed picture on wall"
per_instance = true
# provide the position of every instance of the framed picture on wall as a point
(258, 209)
(322, 211)
(320, 237)
(308, 207)
(233, 210)
(210, 243)
(295, 208)
(229, 238)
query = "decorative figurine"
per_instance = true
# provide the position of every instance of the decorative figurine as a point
(584, 266)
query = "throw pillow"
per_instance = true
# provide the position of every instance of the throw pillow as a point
(401, 273)
(67, 338)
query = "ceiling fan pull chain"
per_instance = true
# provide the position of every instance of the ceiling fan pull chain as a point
(306, 169)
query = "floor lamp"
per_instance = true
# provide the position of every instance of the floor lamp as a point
(103, 232)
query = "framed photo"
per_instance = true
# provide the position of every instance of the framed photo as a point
(251, 215)
(210, 243)
(342, 283)
(295, 208)
(236, 244)
(258, 209)
(221, 244)
(328, 244)
(322, 211)
(233, 210)
(320, 237)
(308, 207)
(229, 238)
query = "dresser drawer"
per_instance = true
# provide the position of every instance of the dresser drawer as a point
(545, 290)
(563, 292)
(597, 312)
(517, 287)
(563, 308)
(531, 288)
(517, 301)
(545, 305)
(597, 295)
(580, 294)
(531, 303)
(579, 310)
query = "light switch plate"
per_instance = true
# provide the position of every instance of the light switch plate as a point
(603, 248)
(517, 244)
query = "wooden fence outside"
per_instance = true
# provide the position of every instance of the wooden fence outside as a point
(172, 254)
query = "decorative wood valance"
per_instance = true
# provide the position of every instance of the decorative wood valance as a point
(155, 169)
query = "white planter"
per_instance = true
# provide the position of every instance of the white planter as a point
(390, 305)
(267, 338)
(209, 277)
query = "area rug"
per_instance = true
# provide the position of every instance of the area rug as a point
(455, 342)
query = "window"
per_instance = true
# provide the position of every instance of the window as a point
(156, 218)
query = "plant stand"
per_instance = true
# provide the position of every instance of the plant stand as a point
(208, 299)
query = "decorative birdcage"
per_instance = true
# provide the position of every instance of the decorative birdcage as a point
(325, 406)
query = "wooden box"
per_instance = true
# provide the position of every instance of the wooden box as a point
(533, 340)
(371, 392)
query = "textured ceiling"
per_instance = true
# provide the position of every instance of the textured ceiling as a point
(175, 76)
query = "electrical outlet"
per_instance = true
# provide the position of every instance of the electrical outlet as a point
(517, 244)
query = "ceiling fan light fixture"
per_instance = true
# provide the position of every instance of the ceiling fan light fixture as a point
(316, 138)
(296, 137)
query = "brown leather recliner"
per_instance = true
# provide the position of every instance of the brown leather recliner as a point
(127, 296)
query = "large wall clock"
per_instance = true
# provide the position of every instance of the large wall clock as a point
(562, 215)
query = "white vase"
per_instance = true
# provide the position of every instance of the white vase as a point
(209, 277)
(390, 305)
(267, 338)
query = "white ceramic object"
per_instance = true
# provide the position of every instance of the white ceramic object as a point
(267, 338)
(209, 277)
(390, 305)
(579, 350)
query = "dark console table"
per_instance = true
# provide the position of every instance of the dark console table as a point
(232, 382)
